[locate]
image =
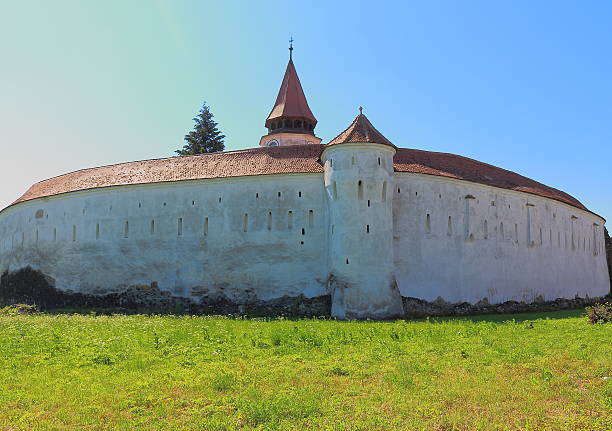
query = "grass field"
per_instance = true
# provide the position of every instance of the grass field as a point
(524, 372)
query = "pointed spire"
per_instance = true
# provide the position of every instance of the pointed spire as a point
(291, 110)
(361, 131)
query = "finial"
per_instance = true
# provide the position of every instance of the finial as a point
(291, 48)
(360, 110)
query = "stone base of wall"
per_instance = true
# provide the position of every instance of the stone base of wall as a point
(29, 286)
(418, 308)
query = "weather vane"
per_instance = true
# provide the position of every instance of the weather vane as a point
(291, 48)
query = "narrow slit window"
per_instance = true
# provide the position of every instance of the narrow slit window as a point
(541, 237)
(384, 191)
(54, 234)
(256, 195)
(36, 236)
(449, 230)
(152, 227)
(353, 160)
(501, 230)
(299, 194)
(270, 220)
(290, 220)
(379, 161)
(303, 231)
(205, 226)
(516, 233)
(486, 230)
(367, 228)
(347, 262)
(245, 223)
(126, 229)
(398, 191)
(279, 195)
(428, 224)
(334, 191)
(359, 190)
(180, 226)
(74, 233)
(310, 218)
(97, 230)
(368, 202)
(219, 199)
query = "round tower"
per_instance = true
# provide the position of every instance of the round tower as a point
(359, 183)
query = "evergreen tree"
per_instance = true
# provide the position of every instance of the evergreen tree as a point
(205, 137)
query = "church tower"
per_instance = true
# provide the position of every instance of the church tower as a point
(291, 121)
(359, 178)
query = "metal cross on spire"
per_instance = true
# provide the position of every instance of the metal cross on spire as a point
(291, 48)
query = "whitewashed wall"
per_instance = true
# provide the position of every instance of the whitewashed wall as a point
(547, 248)
(262, 235)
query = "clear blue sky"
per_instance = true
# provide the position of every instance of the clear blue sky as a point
(525, 85)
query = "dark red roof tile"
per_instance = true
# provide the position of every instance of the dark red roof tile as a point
(282, 160)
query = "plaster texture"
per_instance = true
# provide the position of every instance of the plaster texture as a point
(285, 235)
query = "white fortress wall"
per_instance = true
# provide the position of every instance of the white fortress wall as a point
(263, 235)
(464, 241)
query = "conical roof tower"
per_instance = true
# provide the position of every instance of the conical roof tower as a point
(291, 122)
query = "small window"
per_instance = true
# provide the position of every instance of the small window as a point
(180, 227)
(152, 227)
(126, 229)
(205, 226)
(310, 218)
(245, 223)
(367, 228)
(428, 224)
(359, 190)
(290, 220)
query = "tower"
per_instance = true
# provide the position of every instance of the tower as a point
(358, 177)
(291, 121)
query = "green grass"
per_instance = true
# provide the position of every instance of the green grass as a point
(523, 372)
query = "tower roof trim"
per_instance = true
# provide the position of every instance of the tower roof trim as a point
(361, 131)
(291, 101)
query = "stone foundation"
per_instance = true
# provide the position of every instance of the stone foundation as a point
(29, 286)
(418, 308)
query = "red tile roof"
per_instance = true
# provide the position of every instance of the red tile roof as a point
(291, 101)
(281, 160)
(361, 131)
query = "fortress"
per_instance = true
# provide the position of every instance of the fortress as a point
(359, 221)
